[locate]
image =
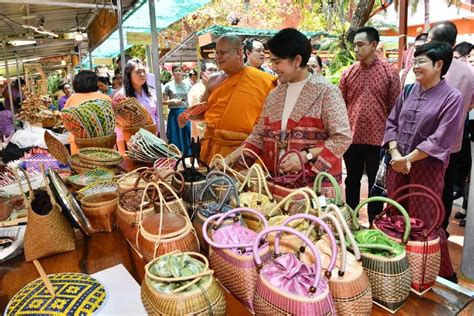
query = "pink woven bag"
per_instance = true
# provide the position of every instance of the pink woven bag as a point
(231, 253)
(287, 286)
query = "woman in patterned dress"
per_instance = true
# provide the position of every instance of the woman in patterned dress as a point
(304, 113)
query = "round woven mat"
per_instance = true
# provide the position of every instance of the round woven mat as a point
(76, 294)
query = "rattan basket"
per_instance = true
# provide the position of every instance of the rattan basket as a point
(100, 209)
(102, 142)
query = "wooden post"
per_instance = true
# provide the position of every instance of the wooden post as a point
(402, 31)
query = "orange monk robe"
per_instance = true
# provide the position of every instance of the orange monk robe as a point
(234, 108)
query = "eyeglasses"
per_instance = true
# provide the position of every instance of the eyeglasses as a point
(140, 72)
(419, 62)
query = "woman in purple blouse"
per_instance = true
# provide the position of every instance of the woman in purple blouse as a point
(420, 131)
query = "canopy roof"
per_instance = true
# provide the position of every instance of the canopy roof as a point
(187, 50)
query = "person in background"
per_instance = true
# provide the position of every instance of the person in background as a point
(150, 78)
(85, 88)
(67, 89)
(407, 76)
(103, 85)
(16, 91)
(461, 51)
(459, 76)
(175, 96)
(420, 132)
(235, 98)
(117, 83)
(315, 64)
(196, 93)
(369, 88)
(254, 55)
(380, 51)
(6, 124)
(193, 77)
(304, 113)
(136, 86)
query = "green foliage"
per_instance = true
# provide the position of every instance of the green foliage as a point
(54, 81)
(165, 75)
(137, 51)
(343, 58)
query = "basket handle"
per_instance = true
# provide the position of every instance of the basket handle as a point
(174, 173)
(219, 160)
(27, 199)
(318, 182)
(149, 175)
(340, 233)
(355, 214)
(427, 190)
(318, 221)
(215, 177)
(261, 182)
(285, 202)
(260, 160)
(314, 198)
(130, 174)
(300, 176)
(195, 277)
(219, 218)
(402, 198)
(292, 231)
(333, 209)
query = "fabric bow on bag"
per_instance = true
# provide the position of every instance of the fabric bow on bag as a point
(395, 226)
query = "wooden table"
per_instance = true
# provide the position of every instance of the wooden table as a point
(109, 249)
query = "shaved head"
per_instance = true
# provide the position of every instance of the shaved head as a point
(233, 40)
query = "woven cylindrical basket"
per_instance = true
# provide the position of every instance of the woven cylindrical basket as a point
(166, 231)
(233, 264)
(108, 141)
(424, 254)
(192, 189)
(128, 132)
(207, 299)
(128, 217)
(100, 209)
(313, 296)
(127, 181)
(390, 277)
(48, 234)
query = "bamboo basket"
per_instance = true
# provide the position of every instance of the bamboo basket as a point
(108, 141)
(101, 209)
(424, 254)
(207, 299)
(233, 263)
(166, 231)
(390, 277)
(129, 131)
(308, 297)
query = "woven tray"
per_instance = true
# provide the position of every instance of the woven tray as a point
(98, 187)
(91, 176)
(96, 155)
(56, 148)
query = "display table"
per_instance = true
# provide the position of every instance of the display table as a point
(105, 250)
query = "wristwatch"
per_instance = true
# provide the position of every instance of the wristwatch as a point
(308, 155)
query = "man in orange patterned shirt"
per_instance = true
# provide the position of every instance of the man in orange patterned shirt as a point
(370, 89)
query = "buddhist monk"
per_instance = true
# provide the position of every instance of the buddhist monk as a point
(235, 98)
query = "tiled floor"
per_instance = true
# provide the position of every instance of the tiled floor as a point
(456, 237)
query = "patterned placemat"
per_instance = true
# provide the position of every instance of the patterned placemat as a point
(76, 294)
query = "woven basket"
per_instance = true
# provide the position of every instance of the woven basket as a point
(233, 265)
(270, 299)
(343, 207)
(207, 299)
(108, 141)
(424, 254)
(260, 199)
(128, 132)
(129, 112)
(390, 277)
(127, 219)
(48, 234)
(100, 210)
(127, 181)
(167, 231)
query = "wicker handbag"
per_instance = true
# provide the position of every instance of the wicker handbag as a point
(423, 246)
(231, 256)
(218, 204)
(261, 200)
(127, 181)
(166, 231)
(385, 261)
(181, 284)
(337, 200)
(46, 234)
(194, 178)
(287, 286)
(350, 286)
(100, 209)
